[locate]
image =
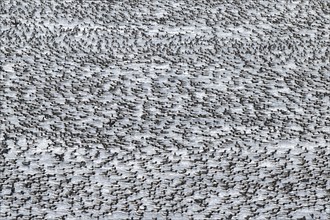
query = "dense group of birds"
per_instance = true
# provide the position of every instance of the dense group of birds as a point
(164, 109)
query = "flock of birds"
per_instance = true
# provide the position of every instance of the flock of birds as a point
(164, 109)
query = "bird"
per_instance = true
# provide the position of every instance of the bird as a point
(173, 102)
